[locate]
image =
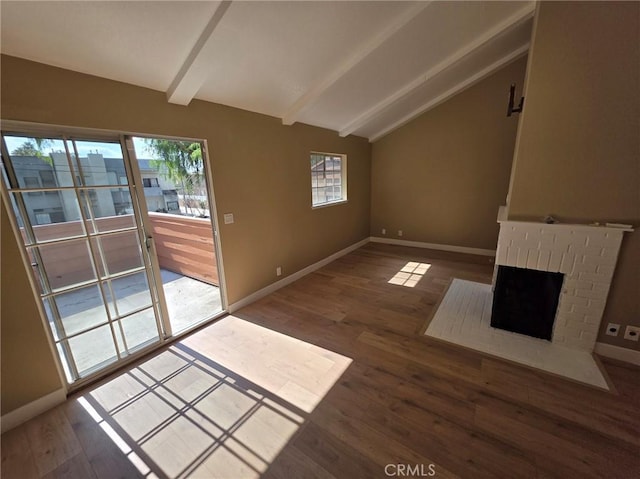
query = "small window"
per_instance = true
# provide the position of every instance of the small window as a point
(43, 219)
(150, 182)
(52, 195)
(32, 182)
(170, 193)
(48, 179)
(328, 179)
(45, 216)
(56, 215)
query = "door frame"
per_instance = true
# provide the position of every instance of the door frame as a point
(9, 127)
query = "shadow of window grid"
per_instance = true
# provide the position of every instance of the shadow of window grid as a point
(223, 376)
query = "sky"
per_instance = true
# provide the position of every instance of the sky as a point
(108, 150)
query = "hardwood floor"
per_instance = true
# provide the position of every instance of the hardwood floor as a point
(331, 378)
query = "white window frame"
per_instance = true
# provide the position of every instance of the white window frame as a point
(343, 180)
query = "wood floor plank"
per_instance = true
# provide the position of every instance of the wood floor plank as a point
(573, 440)
(334, 455)
(17, 459)
(382, 319)
(377, 446)
(421, 354)
(626, 378)
(540, 443)
(603, 419)
(52, 440)
(397, 390)
(612, 415)
(293, 463)
(448, 443)
(77, 466)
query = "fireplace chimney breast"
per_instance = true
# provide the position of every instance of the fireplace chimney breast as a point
(585, 254)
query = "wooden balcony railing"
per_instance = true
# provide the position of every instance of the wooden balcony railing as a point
(184, 245)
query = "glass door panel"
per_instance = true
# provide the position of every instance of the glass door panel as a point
(177, 205)
(67, 263)
(140, 328)
(108, 209)
(93, 350)
(131, 293)
(74, 206)
(121, 252)
(63, 210)
(78, 310)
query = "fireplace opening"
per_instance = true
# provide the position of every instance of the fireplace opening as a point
(525, 301)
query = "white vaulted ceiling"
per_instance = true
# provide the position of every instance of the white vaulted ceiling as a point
(363, 67)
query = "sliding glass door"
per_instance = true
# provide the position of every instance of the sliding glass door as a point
(79, 215)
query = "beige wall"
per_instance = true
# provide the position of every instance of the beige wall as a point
(441, 178)
(260, 170)
(28, 370)
(578, 153)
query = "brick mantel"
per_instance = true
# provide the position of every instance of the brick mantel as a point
(587, 256)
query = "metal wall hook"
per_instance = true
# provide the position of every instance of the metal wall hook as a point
(512, 94)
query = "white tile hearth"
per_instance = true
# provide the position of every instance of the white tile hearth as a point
(464, 316)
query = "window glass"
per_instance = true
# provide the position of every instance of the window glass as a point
(328, 177)
(150, 182)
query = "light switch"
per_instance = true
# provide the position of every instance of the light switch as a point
(228, 218)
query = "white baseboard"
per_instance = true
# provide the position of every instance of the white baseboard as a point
(32, 409)
(440, 247)
(261, 293)
(616, 352)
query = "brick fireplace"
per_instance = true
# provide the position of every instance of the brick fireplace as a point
(585, 254)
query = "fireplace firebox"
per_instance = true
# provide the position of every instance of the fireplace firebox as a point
(525, 301)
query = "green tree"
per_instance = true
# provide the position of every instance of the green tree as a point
(181, 163)
(28, 148)
(34, 147)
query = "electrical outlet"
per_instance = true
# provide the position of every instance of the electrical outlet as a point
(399, 232)
(613, 329)
(632, 333)
(279, 271)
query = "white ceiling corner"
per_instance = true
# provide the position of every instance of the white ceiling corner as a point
(363, 67)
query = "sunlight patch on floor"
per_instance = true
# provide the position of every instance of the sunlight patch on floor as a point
(220, 403)
(410, 274)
